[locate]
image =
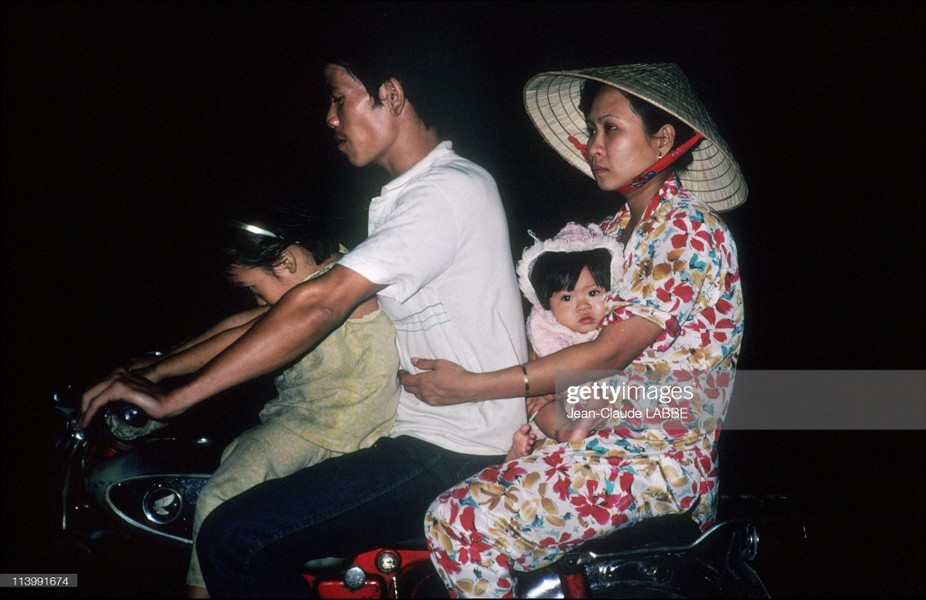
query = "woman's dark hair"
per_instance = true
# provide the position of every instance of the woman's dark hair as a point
(554, 272)
(652, 116)
(264, 242)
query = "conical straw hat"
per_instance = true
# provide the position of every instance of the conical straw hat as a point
(552, 102)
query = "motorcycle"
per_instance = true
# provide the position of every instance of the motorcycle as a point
(144, 489)
(128, 486)
(664, 557)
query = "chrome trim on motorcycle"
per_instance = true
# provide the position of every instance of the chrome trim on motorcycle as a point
(161, 504)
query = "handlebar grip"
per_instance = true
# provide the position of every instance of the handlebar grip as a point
(130, 414)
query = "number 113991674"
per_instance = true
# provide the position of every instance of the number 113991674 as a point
(35, 580)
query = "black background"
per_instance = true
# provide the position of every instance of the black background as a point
(127, 126)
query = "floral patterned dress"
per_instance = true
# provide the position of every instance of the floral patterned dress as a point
(681, 272)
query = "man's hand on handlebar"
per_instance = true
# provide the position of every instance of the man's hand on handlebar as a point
(126, 386)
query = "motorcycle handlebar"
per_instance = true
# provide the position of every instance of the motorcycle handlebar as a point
(67, 399)
(128, 413)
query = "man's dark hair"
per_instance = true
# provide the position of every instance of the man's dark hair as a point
(554, 272)
(414, 61)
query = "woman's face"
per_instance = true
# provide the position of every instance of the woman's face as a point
(618, 147)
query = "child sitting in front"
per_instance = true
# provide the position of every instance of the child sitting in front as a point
(566, 280)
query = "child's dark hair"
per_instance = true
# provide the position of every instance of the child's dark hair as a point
(554, 272)
(261, 242)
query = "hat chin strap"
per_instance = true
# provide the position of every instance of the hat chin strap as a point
(659, 166)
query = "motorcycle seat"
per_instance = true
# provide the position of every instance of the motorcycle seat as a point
(666, 530)
(675, 530)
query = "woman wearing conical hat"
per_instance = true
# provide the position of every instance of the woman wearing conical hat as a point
(644, 444)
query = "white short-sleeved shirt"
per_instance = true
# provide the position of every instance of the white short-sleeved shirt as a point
(438, 239)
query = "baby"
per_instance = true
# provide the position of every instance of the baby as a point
(566, 279)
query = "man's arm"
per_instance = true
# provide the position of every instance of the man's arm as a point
(295, 324)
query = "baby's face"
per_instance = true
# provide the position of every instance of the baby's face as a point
(580, 309)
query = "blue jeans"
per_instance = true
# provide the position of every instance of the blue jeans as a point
(255, 544)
